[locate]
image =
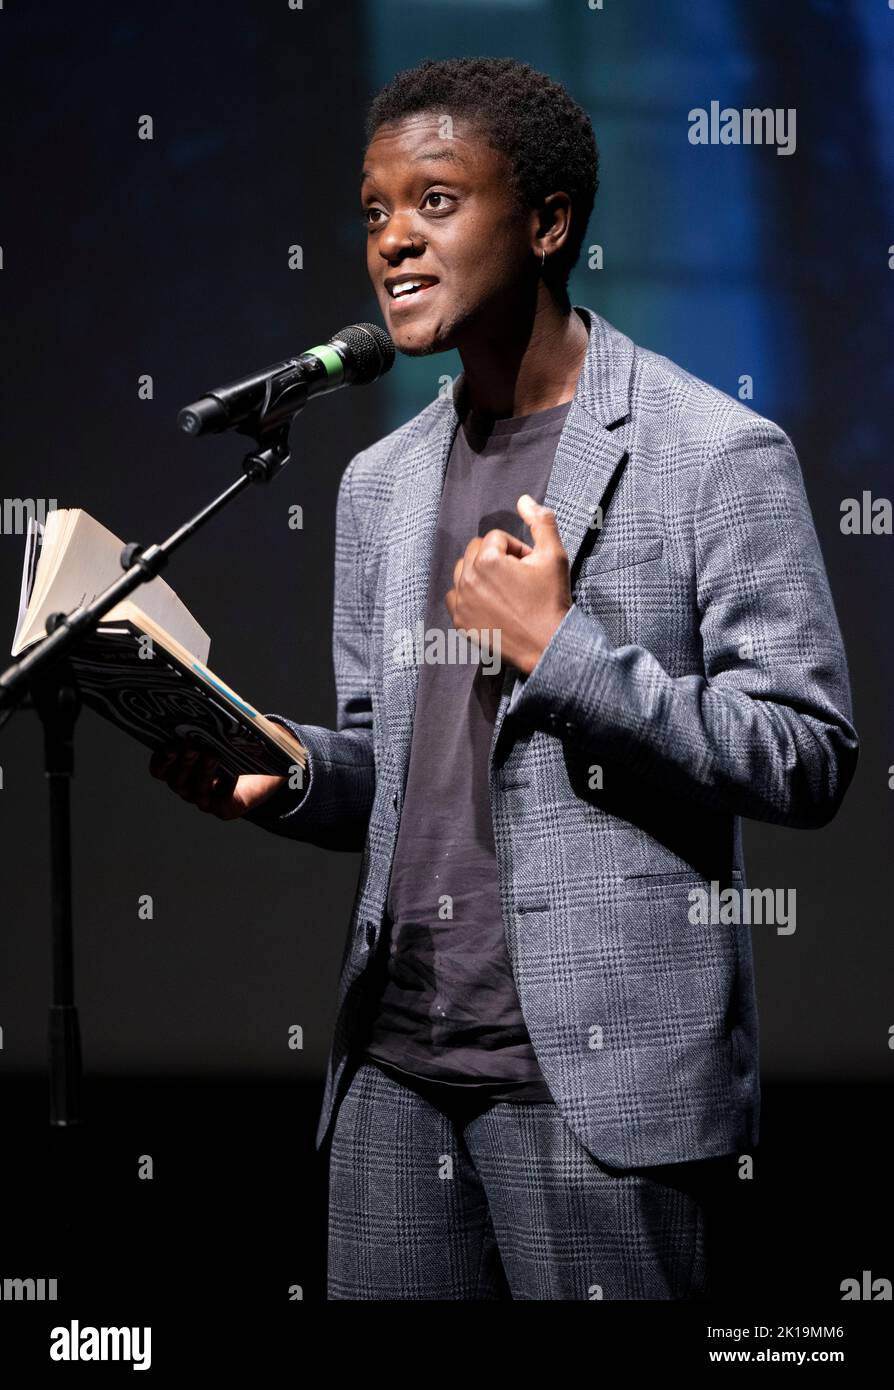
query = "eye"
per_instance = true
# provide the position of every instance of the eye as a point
(445, 199)
(374, 217)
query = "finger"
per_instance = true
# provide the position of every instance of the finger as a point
(222, 788)
(541, 521)
(199, 784)
(498, 542)
(193, 778)
(471, 550)
(467, 558)
(161, 760)
(451, 599)
(220, 794)
(180, 769)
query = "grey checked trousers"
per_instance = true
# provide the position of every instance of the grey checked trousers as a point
(500, 1203)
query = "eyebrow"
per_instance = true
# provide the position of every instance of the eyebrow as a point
(431, 156)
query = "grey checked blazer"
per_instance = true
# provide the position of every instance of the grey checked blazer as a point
(700, 667)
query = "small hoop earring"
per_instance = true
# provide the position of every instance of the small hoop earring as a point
(542, 259)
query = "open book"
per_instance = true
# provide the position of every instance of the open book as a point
(143, 668)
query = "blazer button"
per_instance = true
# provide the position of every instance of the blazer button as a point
(570, 728)
(370, 934)
(394, 801)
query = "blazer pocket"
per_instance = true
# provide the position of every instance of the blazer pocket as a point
(647, 885)
(612, 556)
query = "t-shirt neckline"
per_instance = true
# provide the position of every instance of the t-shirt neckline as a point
(479, 425)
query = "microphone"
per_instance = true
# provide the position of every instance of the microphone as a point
(355, 356)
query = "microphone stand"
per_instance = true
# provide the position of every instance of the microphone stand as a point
(46, 670)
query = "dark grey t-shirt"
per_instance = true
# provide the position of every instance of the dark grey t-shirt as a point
(447, 1008)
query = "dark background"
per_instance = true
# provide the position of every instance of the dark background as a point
(170, 257)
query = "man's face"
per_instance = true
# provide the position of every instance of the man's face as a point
(454, 194)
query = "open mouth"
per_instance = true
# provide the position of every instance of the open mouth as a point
(402, 292)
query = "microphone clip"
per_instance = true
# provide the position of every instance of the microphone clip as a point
(273, 453)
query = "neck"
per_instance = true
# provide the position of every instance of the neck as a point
(527, 362)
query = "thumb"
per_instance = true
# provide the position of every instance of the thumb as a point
(542, 523)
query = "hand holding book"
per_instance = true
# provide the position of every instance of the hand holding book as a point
(197, 777)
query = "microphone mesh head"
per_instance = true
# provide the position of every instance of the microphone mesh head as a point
(371, 349)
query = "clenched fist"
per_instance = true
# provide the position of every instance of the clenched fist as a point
(522, 591)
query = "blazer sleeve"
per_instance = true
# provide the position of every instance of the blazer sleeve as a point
(332, 807)
(765, 729)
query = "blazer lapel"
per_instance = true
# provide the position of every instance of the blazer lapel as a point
(586, 458)
(409, 538)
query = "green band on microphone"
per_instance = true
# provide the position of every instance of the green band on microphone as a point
(335, 367)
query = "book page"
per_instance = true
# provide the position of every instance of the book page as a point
(79, 558)
(33, 540)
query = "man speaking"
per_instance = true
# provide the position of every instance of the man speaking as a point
(539, 1057)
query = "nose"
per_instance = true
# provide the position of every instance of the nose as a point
(400, 238)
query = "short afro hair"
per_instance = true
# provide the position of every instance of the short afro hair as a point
(532, 120)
